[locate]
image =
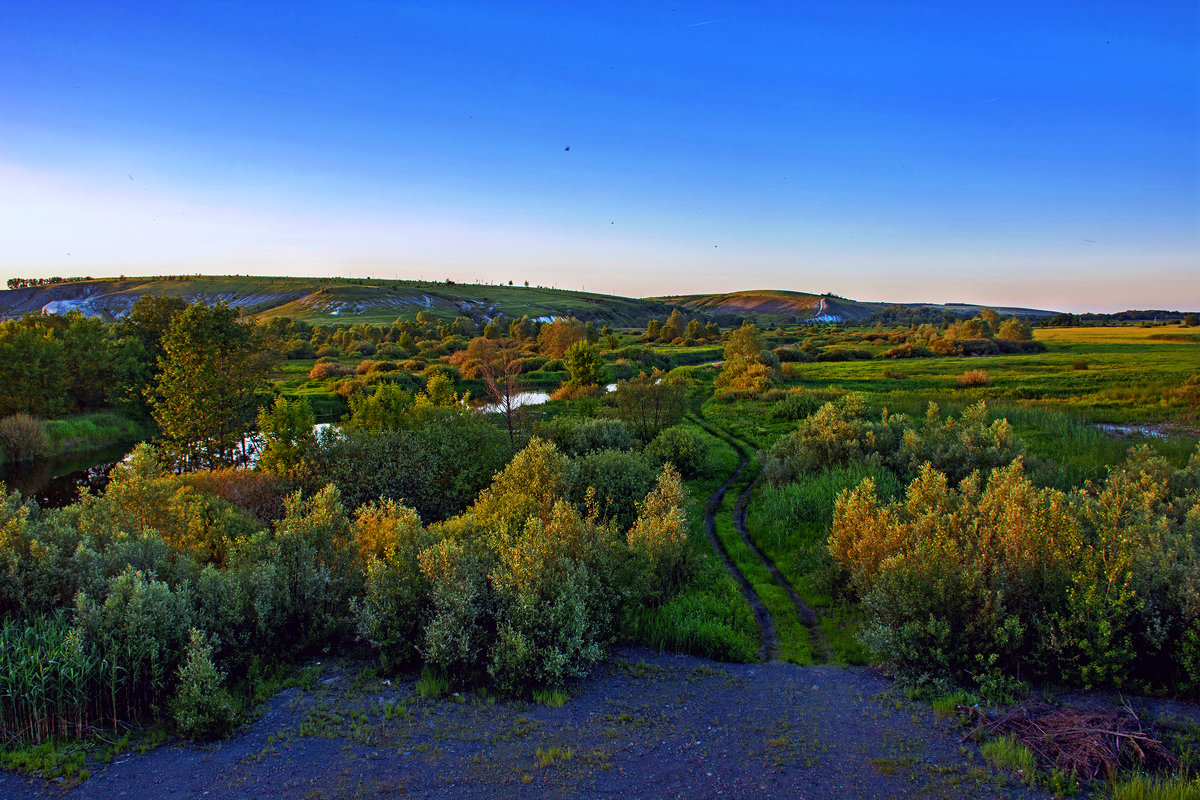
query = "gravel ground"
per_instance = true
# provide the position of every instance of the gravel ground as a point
(645, 725)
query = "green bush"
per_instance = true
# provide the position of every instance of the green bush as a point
(23, 437)
(686, 448)
(619, 480)
(140, 630)
(394, 603)
(202, 708)
(599, 434)
(988, 584)
(797, 405)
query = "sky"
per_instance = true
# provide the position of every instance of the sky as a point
(1030, 154)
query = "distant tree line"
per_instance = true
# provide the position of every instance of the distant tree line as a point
(25, 283)
(1065, 320)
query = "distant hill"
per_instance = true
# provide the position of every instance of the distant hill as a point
(333, 299)
(783, 306)
(325, 300)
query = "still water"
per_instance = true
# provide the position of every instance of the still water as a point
(58, 482)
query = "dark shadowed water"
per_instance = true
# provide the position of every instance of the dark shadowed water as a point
(57, 482)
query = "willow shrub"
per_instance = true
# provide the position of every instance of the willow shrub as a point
(523, 589)
(1003, 580)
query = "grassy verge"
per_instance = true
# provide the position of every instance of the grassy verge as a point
(96, 431)
(710, 617)
(795, 644)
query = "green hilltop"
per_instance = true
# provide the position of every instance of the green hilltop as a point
(375, 300)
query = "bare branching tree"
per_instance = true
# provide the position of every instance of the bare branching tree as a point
(501, 376)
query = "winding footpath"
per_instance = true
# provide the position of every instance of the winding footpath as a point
(770, 648)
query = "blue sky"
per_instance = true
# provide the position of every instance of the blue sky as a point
(1040, 154)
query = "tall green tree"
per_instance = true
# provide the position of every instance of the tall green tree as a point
(287, 431)
(212, 379)
(31, 370)
(583, 363)
(747, 368)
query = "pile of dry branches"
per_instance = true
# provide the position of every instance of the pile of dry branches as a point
(1087, 741)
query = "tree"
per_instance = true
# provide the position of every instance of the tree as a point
(31, 370)
(212, 380)
(673, 328)
(583, 363)
(650, 403)
(694, 330)
(1191, 320)
(287, 431)
(89, 359)
(502, 378)
(555, 338)
(1015, 330)
(149, 319)
(747, 368)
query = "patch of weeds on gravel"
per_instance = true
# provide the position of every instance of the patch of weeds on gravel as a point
(548, 756)
(789, 747)
(551, 698)
(640, 670)
(321, 722)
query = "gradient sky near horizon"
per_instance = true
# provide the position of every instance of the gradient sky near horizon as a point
(1024, 153)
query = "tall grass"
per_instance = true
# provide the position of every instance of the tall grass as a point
(49, 685)
(1145, 787)
(709, 617)
(798, 514)
(91, 432)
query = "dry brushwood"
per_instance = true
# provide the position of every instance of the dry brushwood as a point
(1090, 742)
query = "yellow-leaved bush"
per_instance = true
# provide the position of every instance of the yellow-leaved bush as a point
(996, 581)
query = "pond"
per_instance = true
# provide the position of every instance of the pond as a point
(1149, 431)
(528, 399)
(57, 482)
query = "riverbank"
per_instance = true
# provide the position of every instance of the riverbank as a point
(84, 433)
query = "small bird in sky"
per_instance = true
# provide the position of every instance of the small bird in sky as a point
(567, 149)
(130, 177)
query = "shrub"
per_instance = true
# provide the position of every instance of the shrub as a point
(987, 584)
(140, 628)
(390, 538)
(796, 406)
(551, 619)
(348, 388)
(685, 448)
(23, 437)
(619, 481)
(599, 434)
(365, 366)
(329, 369)
(844, 354)
(975, 377)
(202, 708)
(659, 536)
(456, 637)
(909, 350)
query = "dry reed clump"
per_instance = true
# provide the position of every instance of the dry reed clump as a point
(1089, 742)
(975, 377)
(23, 437)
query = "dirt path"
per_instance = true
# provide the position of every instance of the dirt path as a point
(811, 619)
(769, 640)
(646, 725)
(808, 615)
